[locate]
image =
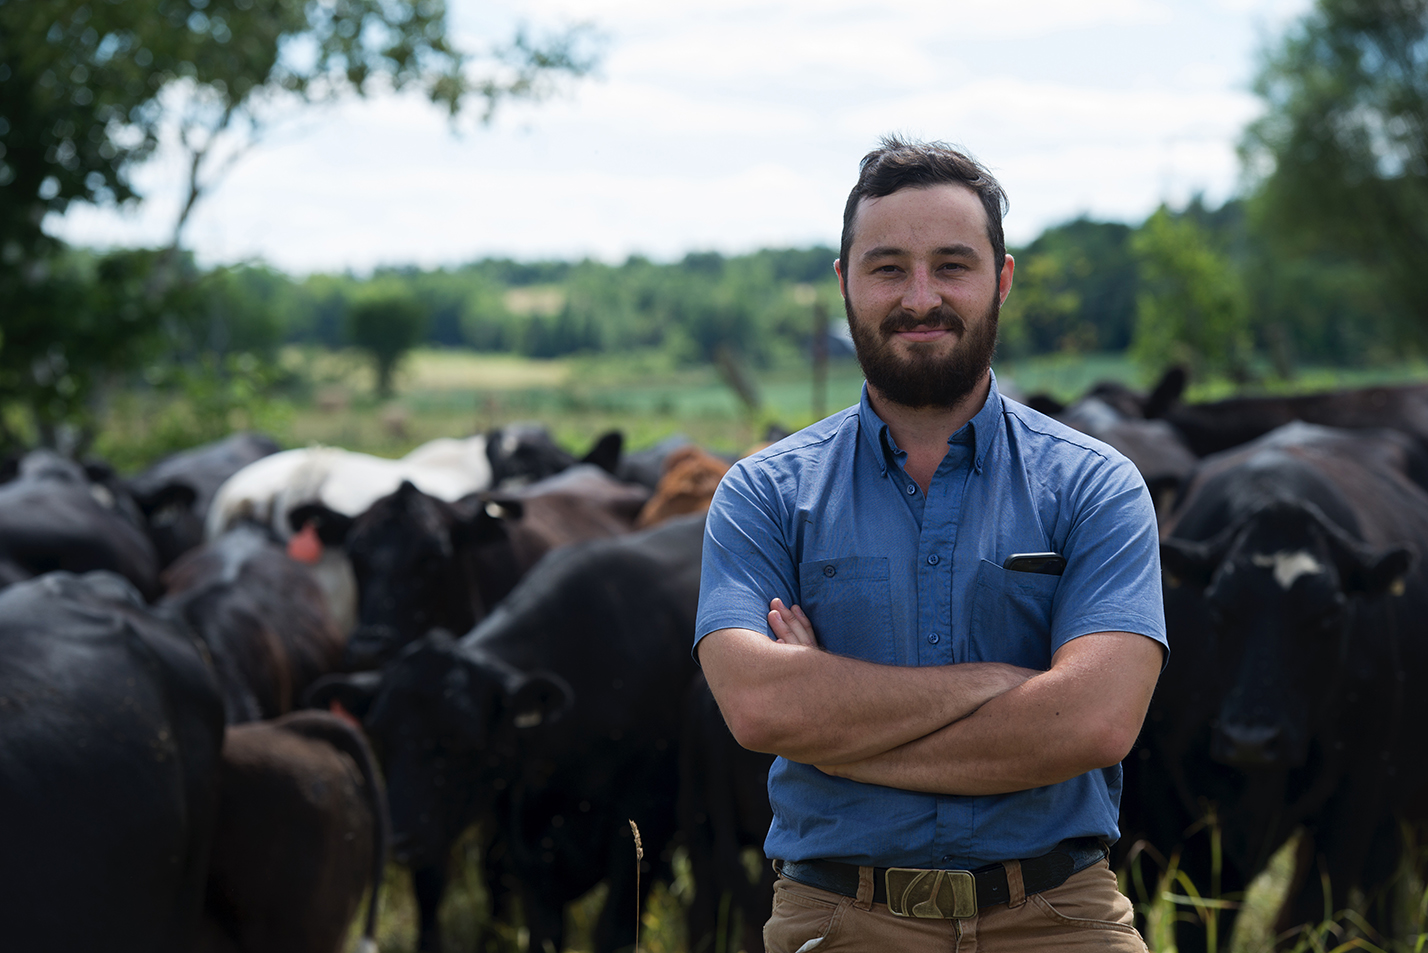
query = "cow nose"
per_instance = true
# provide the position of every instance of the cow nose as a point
(1247, 744)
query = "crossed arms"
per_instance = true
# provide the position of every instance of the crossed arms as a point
(970, 728)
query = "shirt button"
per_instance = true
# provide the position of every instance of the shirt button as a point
(911, 489)
(933, 639)
(829, 571)
(932, 560)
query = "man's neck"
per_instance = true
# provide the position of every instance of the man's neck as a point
(923, 432)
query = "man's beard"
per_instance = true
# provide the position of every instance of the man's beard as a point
(923, 379)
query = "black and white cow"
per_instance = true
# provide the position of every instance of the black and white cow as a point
(110, 730)
(346, 483)
(1295, 598)
(555, 721)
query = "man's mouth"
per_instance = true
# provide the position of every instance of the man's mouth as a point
(930, 327)
(923, 333)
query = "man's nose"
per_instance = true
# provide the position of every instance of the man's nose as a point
(920, 297)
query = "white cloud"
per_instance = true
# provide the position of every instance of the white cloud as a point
(740, 125)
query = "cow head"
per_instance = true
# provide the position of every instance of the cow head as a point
(421, 563)
(449, 725)
(522, 453)
(1279, 589)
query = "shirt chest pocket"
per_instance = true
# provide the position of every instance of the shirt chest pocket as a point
(1011, 616)
(849, 603)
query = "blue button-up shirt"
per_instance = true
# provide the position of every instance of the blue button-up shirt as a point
(830, 520)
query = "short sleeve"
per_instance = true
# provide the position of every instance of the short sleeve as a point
(747, 557)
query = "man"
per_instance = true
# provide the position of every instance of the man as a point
(949, 719)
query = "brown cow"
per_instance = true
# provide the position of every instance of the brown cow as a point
(301, 834)
(263, 617)
(687, 485)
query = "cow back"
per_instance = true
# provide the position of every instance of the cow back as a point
(110, 727)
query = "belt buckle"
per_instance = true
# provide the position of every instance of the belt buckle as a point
(931, 894)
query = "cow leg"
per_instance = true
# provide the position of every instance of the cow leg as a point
(429, 884)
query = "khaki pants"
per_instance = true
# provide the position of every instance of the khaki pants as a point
(1087, 912)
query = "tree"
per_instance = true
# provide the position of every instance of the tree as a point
(1191, 309)
(87, 87)
(1075, 291)
(1340, 158)
(386, 325)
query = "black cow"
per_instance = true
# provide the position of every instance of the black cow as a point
(724, 812)
(175, 492)
(263, 617)
(1220, 425)
(526, 452)
(1295, 603)
(110, 730)
(422, 563)
(300, 835)
(556, 720)
(54, 516)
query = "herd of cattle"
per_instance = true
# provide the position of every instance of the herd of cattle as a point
(236, 683)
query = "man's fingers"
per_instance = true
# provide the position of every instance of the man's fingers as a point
(790, 625)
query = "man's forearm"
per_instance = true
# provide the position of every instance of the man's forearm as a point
(1083, 714)
(811, 706)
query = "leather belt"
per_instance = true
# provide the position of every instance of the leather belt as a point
(949, 893)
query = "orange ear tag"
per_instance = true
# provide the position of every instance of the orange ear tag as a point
(305, 547)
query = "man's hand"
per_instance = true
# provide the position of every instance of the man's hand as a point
(790, 626)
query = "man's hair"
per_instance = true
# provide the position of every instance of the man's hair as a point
(896, 165)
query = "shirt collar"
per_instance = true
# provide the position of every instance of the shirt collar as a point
(880, 440)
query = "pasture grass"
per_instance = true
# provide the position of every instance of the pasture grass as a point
(1159, 889)
(328, 398)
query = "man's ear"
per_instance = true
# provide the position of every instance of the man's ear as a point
(1004, 280)
(842, 280)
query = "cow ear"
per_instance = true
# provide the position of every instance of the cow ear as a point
(332, 526)
(354, 693)
(1166, 393)
(606, 452)
(537, 699)
(1188, 562)
(1382, 572)
(484, 519)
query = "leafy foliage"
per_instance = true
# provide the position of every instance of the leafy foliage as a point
(1341, 156)
(1192, 308)
(87, 90)
(1075, 288)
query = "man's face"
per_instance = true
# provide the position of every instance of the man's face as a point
(922, 292)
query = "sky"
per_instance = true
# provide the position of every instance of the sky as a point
(734, 126)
